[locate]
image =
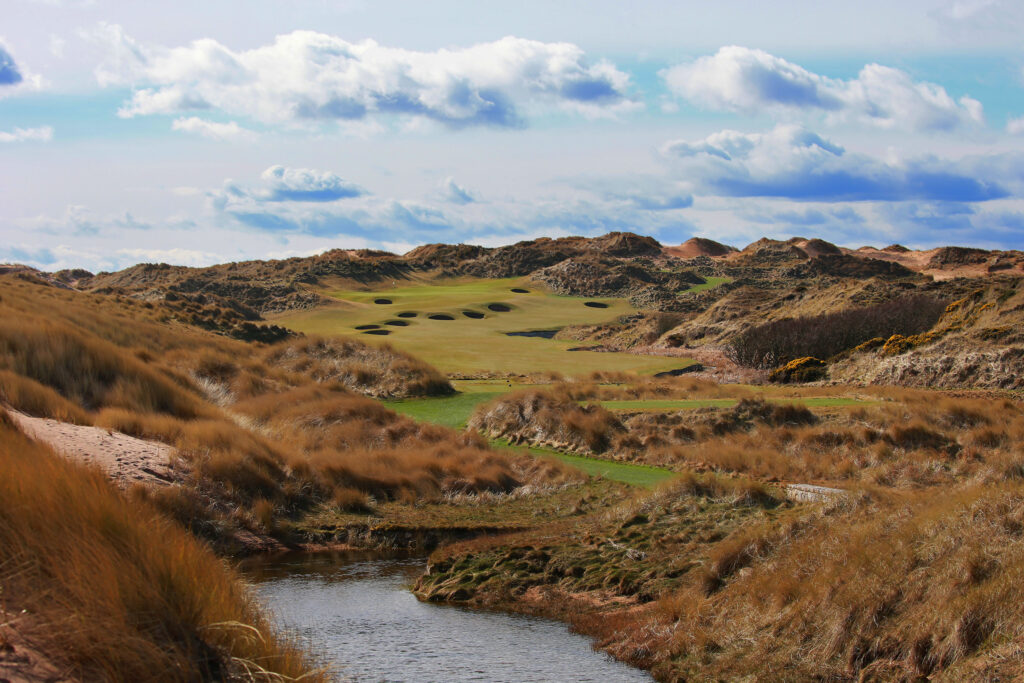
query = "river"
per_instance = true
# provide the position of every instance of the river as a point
(355, 608)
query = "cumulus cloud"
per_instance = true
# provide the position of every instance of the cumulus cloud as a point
(176, 255)
(40, 134)
(212, 129)
(646, 193)
(9, 72)
(307, 76)
(750, 81)
(306, 185)
(282, 184)
(14, 78)
(455, 193)
(962, 18)
(795, 163)
(1015, 126)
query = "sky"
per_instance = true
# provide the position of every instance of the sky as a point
(196, 132)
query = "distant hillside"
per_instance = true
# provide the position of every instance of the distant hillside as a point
(701, 293)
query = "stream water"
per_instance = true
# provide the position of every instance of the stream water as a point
(356, 609)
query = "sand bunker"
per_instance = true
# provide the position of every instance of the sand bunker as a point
(378, 332)
(520, 290)
(475, 315)
(408, 314)
(543, 334)
(382, 301)
(499, 308)
(397, 323)
(440, 316)
(695, 367)
(595, 304)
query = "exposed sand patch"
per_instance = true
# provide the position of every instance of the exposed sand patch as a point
(20, 662)
(125, 459)
(698, 246)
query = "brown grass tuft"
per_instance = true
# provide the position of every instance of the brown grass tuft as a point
(114, 591)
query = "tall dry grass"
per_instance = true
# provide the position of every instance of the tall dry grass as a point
(885, 588)
(112, 591)
(279, 428)
(909, 439)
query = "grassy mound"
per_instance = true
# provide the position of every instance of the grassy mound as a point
(112, 591)
(267, 433)
(909, 569)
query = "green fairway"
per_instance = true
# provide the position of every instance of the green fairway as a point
(666, 405)
(480, 344)
(710, 283)
(636, 475)
(454, 411)
(450, 411)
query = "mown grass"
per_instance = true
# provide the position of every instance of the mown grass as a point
(111, 590)
(466, 346)
(450, 411)
(455, 411)
(266, 432)
(626, 473)
(710, 283)
(899, 438)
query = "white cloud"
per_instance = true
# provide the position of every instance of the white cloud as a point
(40, 134)
(186, 191)
(794, 163)
(212, 129)
(980, 16)
(967, 9)
(306, 76)
(14, 78)
(749, 81)
(282, 184)
(1015, 126)
(452, 192)
(177, 256)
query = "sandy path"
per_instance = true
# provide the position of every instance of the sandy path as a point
(20, 661)
(125, 459)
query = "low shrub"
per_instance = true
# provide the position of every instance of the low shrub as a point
(800, 370)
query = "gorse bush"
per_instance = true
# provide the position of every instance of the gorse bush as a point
(823, 336)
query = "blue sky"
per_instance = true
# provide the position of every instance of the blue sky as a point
(200, 132)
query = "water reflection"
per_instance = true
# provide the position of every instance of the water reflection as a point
(356, 608)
